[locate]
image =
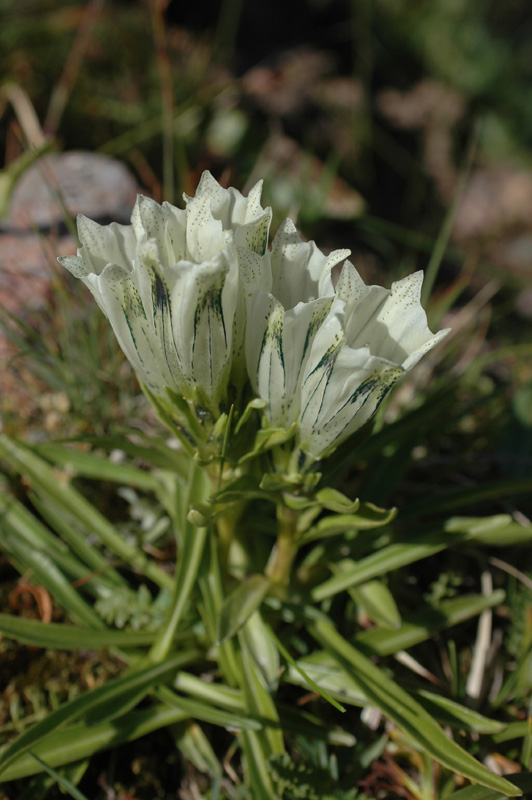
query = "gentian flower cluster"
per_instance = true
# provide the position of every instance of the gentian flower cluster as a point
(209, 316)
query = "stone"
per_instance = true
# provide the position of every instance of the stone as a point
(89, 183)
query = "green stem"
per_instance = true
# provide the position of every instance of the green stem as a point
(184, 584)
(279, 565)
(192, 546)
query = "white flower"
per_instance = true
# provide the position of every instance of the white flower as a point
(170, 285)
(326, 358)
(283, 320)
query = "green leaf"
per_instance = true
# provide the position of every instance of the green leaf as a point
(368, 517)
(522, 780)
(328, 675)
(312, 685)
(215, 693)
(60, 636)
(246, 487)
(113, 691)
(80, 741)
(157, 453)
(92, 568)
(449, 712)
(98, 573)
(80, 463)
(207, 713)
(195, 747)
(115, 707)
(333, 500)
(309, 726)
(256, 635)
(389, 558)
(256, 773)
(377, 601)
(406, 712)
(260, 704)
(515, 730)
(497, 531)
(63, 782)
(66, 496)
(240, 605)
(212, 594)
(192, 545)
(266, 438)
(425, 623)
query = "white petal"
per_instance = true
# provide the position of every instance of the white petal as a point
(391, 323)
(254, 234)
(340, 416)
(205, 237)
(105, 244)
(300, 270)
(165, 224)
(244, 216)
(122, 304)
(264, 352)
(203, 299)
(75, 265)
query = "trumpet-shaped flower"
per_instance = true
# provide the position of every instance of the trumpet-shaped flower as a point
(170, 285)
(326, 358)
(283, 322)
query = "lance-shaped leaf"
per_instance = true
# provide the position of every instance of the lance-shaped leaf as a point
(406, 712)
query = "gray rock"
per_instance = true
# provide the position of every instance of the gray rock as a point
(89, 183)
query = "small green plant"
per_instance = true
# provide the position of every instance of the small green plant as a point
(261, 601)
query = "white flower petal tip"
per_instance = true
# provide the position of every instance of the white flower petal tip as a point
(74, 264)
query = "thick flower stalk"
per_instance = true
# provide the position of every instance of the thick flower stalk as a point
(171, 286)
(325, 358)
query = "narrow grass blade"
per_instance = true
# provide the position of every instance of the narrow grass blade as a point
(19, 521)
(192, 545)
(111, 692)
(376, 564)
(60, 636)
(240, 605)
(522, 780)
(84, 464)
(444, 235)
(461, 498)
(207, 713)
(50, 576)
(421, 626)
(80, 741)
(260, 704)
(66, 496)
(406, 712)
(312, 685)
(63, 782)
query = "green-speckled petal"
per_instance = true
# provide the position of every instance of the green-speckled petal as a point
(300, 271)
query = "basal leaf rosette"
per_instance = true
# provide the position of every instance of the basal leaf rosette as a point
(171, 286)
(325, 358)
